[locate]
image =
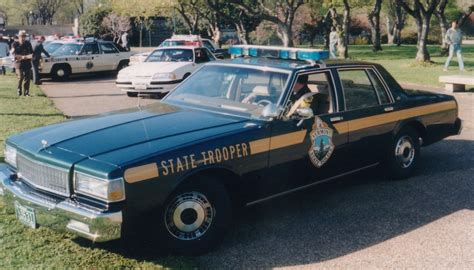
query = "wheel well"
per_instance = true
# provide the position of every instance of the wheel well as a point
(124, 62)
(186, 75)
(228, 178)
(65, 65)
(418, 127)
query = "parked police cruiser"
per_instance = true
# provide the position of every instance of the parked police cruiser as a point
(88, 56)
(242, 131)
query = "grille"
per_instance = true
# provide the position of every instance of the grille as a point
(43, 177)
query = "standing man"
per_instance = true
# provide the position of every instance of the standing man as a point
(23, 53)
(4, 52)
(124, 40)
(37, 51)
(333, 41)
(454, 39)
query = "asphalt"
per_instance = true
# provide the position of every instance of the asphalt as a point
(364, 221)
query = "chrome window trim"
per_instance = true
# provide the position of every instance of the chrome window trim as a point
(29, 182)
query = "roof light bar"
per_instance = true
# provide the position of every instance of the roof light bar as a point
(278, 52)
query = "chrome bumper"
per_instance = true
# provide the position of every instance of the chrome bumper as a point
(64, 215)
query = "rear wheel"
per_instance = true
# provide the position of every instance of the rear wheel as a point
(196, 216)
(122, 65)
(403, 155)
(132, 94)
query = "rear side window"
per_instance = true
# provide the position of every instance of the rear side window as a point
(108, 48)
(358, 90)
(383, 96)
(90, 49)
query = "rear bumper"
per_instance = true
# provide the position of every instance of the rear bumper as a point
(458, 126)
(64, 215)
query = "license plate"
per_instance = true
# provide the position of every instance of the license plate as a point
(25, 215)
(140, 86)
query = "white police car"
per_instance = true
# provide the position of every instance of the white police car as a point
(163, 69)
(84, 57)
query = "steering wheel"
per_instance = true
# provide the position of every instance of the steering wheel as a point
(263, 101)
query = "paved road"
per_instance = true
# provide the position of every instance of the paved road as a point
(361, 222)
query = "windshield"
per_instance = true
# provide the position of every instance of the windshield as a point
(171, 55)
(68, 49)
(239, 89)
(52, 47)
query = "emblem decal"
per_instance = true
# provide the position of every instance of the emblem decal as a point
(321, 143)
(89, 65)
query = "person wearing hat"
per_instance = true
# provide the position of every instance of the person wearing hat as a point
(23, 52)
(37, 51)
(300, 88)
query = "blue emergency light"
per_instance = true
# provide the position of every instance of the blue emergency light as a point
(278, 52)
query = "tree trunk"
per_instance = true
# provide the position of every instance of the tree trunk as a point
(443, 25)
(285, 34)
(422, 54)
(374, 20)
(390, 30)
(343, 44)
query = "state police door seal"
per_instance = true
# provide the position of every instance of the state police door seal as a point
(321, 143)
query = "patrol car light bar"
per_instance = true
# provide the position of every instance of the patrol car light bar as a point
(186, 37)
(278, 52)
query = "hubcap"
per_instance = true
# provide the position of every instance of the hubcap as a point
(189, 216)
(405, 151)
(60, 72)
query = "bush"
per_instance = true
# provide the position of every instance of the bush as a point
(90, 23)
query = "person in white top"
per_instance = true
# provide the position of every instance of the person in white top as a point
(333, 41)
(4, 51)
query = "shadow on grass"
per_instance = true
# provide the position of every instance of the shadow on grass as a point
(338, 218)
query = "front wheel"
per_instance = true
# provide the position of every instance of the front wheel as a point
(403, 155)
(132, 94)
(196, 216)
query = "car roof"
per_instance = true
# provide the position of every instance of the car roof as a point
(180, 47)
(293, 65)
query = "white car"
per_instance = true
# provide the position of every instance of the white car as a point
(84, 57)
(183, 40)
(162, 70)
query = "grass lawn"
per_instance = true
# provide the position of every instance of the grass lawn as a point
(399, 61)
(21, 247)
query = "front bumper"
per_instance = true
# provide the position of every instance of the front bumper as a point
(61, 215)
(149, 87)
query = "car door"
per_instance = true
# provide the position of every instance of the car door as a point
(90, 57)
(110, 56)
(365, 103)
(306, 151)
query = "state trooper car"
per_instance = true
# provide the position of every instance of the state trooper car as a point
(162, 70)
(235, 132)
(87, 56)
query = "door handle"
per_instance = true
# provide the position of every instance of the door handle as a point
(336, 119)
(388, 109)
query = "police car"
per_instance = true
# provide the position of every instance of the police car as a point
(235, 132)
(163, 69)
(87, 56)
(184, 40)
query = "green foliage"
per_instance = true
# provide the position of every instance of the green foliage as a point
(91, 21)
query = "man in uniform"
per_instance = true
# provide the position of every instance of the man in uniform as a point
(23, 52)
(37, 51)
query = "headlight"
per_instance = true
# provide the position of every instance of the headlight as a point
(10, 155)
(109, 190)
(123, 76)
(164, 76)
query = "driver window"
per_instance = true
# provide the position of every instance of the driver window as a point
(201, 56)
(90, 49)
(317, 90)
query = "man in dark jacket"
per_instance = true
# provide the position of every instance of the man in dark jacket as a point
(38, 49)
(23, 53)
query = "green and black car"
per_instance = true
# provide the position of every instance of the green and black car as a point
(234, 133)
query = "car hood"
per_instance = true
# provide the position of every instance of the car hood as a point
(103, 134)
(149, 69)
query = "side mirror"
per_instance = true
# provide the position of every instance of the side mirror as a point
(270, 111)
(304, 113)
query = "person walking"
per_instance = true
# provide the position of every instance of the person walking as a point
(23, 53)
(4, 52)
(124, 39)
(333, 41)
(454, 39)
(38, 49)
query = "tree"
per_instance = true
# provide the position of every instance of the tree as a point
(421, 11)
(396, 18)
(342, 25)
(116, 25)
(46, 10)
(443, 23)
(374, 20)
(191, 11)
(280, 12)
